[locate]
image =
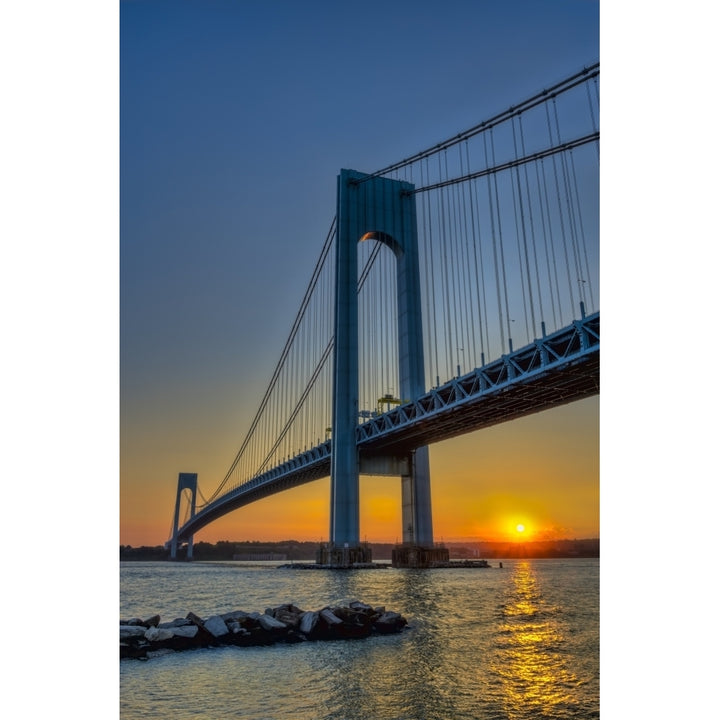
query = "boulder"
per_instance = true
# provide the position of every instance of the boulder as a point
(216, 626)
(187, 637)
(389, 622)
(286, 623)
(287, 616)
(195, 619)
(186, 631)
(203, 636)
(177, 622)
(128, 632)
(330, 617)
(154, 634)
(267, 622)
(308, 623)
(357, 605)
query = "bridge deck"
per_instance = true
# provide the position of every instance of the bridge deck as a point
(556, 370)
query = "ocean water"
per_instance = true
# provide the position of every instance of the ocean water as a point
(515, 643)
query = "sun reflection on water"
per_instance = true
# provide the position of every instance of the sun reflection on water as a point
(531, 665)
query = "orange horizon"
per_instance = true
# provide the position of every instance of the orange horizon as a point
(541, 472)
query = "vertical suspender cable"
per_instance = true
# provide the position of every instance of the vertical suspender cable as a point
(482, 305)
(452, 274)
(502, 250)
(476, 241)
(443, 277)
(562, 223)
(545, 233)
(496, 262)
(556, 284)
(532, 236)
(430, 281)
(583, 241)
(469, 216)
(571, 215)
(520, 234)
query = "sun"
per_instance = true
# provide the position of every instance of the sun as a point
(520, 528)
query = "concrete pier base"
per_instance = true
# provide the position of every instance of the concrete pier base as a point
(415, 556)
(345, 556)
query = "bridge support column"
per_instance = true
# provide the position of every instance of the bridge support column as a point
(416, 506)
(374, 208)
(186, 481)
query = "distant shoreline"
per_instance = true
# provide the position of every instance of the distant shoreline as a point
(294, 550)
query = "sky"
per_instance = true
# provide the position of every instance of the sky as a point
(235, 119)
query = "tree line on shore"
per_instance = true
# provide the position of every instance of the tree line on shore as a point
(294, 550)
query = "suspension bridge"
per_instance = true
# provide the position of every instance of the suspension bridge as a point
(455, 289)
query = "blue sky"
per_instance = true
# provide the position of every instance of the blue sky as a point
(237, 116)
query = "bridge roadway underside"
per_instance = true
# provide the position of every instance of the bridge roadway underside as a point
(558, 370)
(532, 395)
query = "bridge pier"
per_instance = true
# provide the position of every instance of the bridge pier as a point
(418, 549)
(416, 556)
(345, 556)
(186, 481)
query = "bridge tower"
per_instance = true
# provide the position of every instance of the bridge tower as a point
(375, 208)
(186, 481)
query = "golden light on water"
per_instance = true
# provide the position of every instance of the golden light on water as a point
(532, 669)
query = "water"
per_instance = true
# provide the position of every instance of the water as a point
(516, 643)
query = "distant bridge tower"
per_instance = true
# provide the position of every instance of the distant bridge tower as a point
(383, 210)
(186, 481)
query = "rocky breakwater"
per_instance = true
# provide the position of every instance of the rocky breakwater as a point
(286, 624)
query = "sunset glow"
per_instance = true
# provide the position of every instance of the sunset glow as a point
(482, 490)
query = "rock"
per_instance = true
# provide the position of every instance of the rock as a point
(133, 651)
(294, 637)
(177, 622)
(308, 623)
(216, 626)
(195, 619)
(154, 634)
(330, 617)
(187, 637)
(390, 622)
(357, 605)
(236, 628)
(203, 635)
(143, 639)
(268, 622)
(186, 631)
(287, 616)
(132, 631)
